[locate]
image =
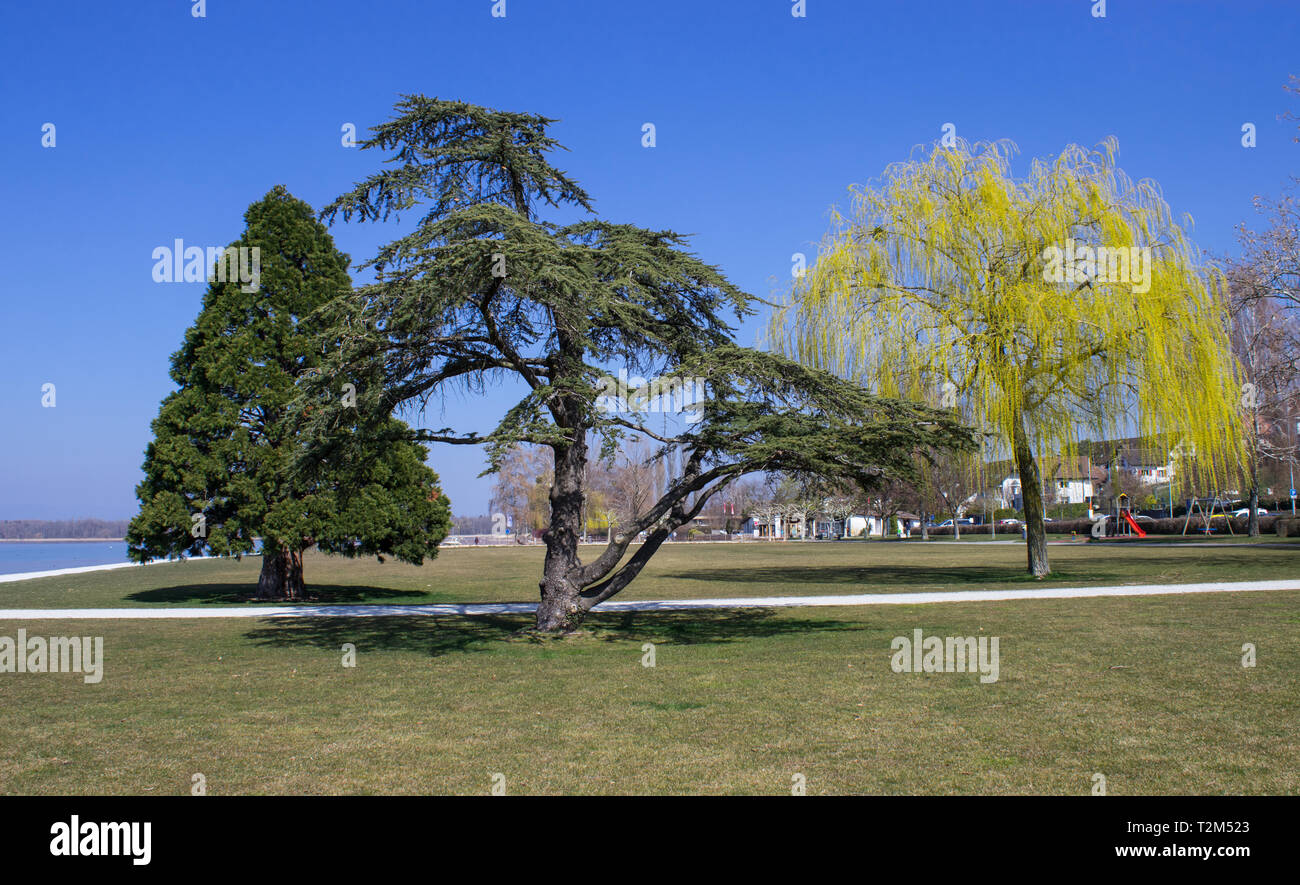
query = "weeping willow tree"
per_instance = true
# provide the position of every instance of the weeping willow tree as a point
(1041, 309)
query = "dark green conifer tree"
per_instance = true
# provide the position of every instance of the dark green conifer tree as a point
(222, 470)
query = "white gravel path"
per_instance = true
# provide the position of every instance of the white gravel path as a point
(856, 599)
(82, 569)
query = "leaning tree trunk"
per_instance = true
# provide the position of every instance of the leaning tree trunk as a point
(281, 576)
(1031, 490)
(1253, 520)
(560, 608)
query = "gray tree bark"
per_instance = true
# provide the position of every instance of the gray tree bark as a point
(1031, 491)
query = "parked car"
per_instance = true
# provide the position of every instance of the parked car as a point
(1010, 522)
(965, 520)
(1245, 511)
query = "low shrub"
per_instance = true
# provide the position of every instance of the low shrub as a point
(1282, 525)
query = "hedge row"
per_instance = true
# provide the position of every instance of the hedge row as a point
(1283, 524)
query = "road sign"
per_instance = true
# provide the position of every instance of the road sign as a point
(1293, 493)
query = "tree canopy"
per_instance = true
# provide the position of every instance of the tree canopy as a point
(1038, 308)
(222, 472)
(483, 289)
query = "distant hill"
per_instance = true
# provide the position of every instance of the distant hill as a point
(38, 529)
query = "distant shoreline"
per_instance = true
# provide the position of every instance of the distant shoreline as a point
(59, 540)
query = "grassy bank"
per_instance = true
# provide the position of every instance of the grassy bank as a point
(677, 572)
(1149, 691)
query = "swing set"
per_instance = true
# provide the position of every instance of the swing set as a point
(1205, 507)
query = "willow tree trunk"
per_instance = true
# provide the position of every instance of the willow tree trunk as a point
(1031, 491)
(1252, 521)
(560, 608)
(281, 576)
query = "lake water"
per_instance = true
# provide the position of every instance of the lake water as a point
(39, 556)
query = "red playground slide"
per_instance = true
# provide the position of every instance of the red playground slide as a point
(1128, 517)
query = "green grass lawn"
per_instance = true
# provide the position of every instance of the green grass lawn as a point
(682, 571)
(1148, 691)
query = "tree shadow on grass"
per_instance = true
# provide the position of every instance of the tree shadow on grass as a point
(245, 594)
(930, 573)
(435, 636)
(438, 636)
(705, 626)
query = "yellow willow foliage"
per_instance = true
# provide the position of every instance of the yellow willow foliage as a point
(951, 282)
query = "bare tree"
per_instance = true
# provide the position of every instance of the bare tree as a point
(800, 499)
(886, 499)
(951, 484)
(633, 479)
(841, 505)
(1264, 295)
(766, 511)
(1292, 86)
(521, 487)
(740, 502)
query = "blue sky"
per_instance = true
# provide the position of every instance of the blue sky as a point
(168, 126)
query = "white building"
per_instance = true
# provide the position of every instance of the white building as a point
(856, 526)
(1072, 490)
(1071, 481)
(875, 526)
(1145, 466)
(1009, 493)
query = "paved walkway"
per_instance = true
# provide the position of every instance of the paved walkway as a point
(501, 608)
(83, 569)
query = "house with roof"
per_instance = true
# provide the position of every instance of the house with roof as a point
(1145, 466)
(1136, 456)
(1080, 478)
(869, 526)
(1065, 481)
(1072, 480)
